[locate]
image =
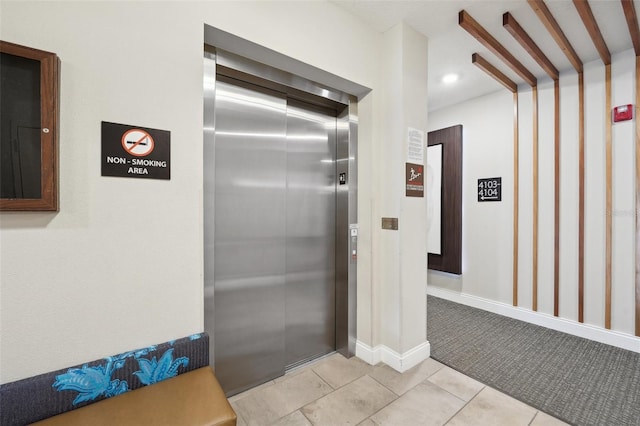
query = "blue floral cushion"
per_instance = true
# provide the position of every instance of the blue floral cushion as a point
(36, 398)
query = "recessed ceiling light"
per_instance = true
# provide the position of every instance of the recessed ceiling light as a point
(450, 78)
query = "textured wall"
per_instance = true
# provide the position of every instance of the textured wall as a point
(120, 266)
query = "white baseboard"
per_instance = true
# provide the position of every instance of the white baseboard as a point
(399, 362)
(586, 331)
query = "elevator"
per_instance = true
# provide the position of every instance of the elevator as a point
(278, 246)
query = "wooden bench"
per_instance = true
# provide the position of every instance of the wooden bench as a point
(190, 399)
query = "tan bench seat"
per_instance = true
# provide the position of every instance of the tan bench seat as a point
(190, 399)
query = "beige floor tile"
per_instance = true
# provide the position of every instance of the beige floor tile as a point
(248, 392)
(254, 411)
(267, 405)
(367, 422)
(493, 408)
(349, 405)
(294, 419)
(240, 420)
(425, 405)
(338, 371)
(401, 383)
(543, 419)
(462, 386)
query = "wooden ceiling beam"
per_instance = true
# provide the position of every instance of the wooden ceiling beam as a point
(487, 40)
(514, 28)
(495, 73)
(584, 10)
(632, 22)
(544, 14)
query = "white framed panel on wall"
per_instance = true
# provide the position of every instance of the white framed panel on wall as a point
(525, 202)
(569, 194)
(546, 194)
(594, 207)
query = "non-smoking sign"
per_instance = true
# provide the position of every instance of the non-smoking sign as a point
(134, 151)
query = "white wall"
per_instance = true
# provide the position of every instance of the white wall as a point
(120, 266)
(487, 227)
(487, 151)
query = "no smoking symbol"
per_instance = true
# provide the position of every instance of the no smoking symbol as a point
(137, 142)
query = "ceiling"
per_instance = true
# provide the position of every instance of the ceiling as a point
(451, 47)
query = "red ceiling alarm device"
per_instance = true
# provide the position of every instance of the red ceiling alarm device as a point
(622, 113)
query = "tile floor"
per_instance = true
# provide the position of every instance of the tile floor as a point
(337, 391)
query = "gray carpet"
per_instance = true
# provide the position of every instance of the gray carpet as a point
(579, 381)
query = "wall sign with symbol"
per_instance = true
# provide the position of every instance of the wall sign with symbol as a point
(138, 142)
(133, 151)
(490, 189)
(414, 177)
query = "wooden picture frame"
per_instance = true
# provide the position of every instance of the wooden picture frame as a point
(41, 171)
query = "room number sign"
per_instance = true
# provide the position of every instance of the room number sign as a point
(490, 189)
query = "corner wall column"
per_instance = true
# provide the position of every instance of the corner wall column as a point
(399, 335)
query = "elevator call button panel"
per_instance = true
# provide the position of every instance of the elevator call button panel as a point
(353, 242)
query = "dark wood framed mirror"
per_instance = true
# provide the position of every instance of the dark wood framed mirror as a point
(449, 258)
(29, 114)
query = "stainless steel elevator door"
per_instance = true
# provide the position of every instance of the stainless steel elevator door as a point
(274, 234)
(250, 235)
(311, 232)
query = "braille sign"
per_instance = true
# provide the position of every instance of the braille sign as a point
(137, 152)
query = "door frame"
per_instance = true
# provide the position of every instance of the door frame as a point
(219, 61)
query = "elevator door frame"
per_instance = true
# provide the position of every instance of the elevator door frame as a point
(228, 64)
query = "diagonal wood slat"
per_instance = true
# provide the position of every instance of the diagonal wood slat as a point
(545, 16)
(632, 22)
(482, 35)
(514, 28)
(584, 10)
(547, 19)
(495, 73)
